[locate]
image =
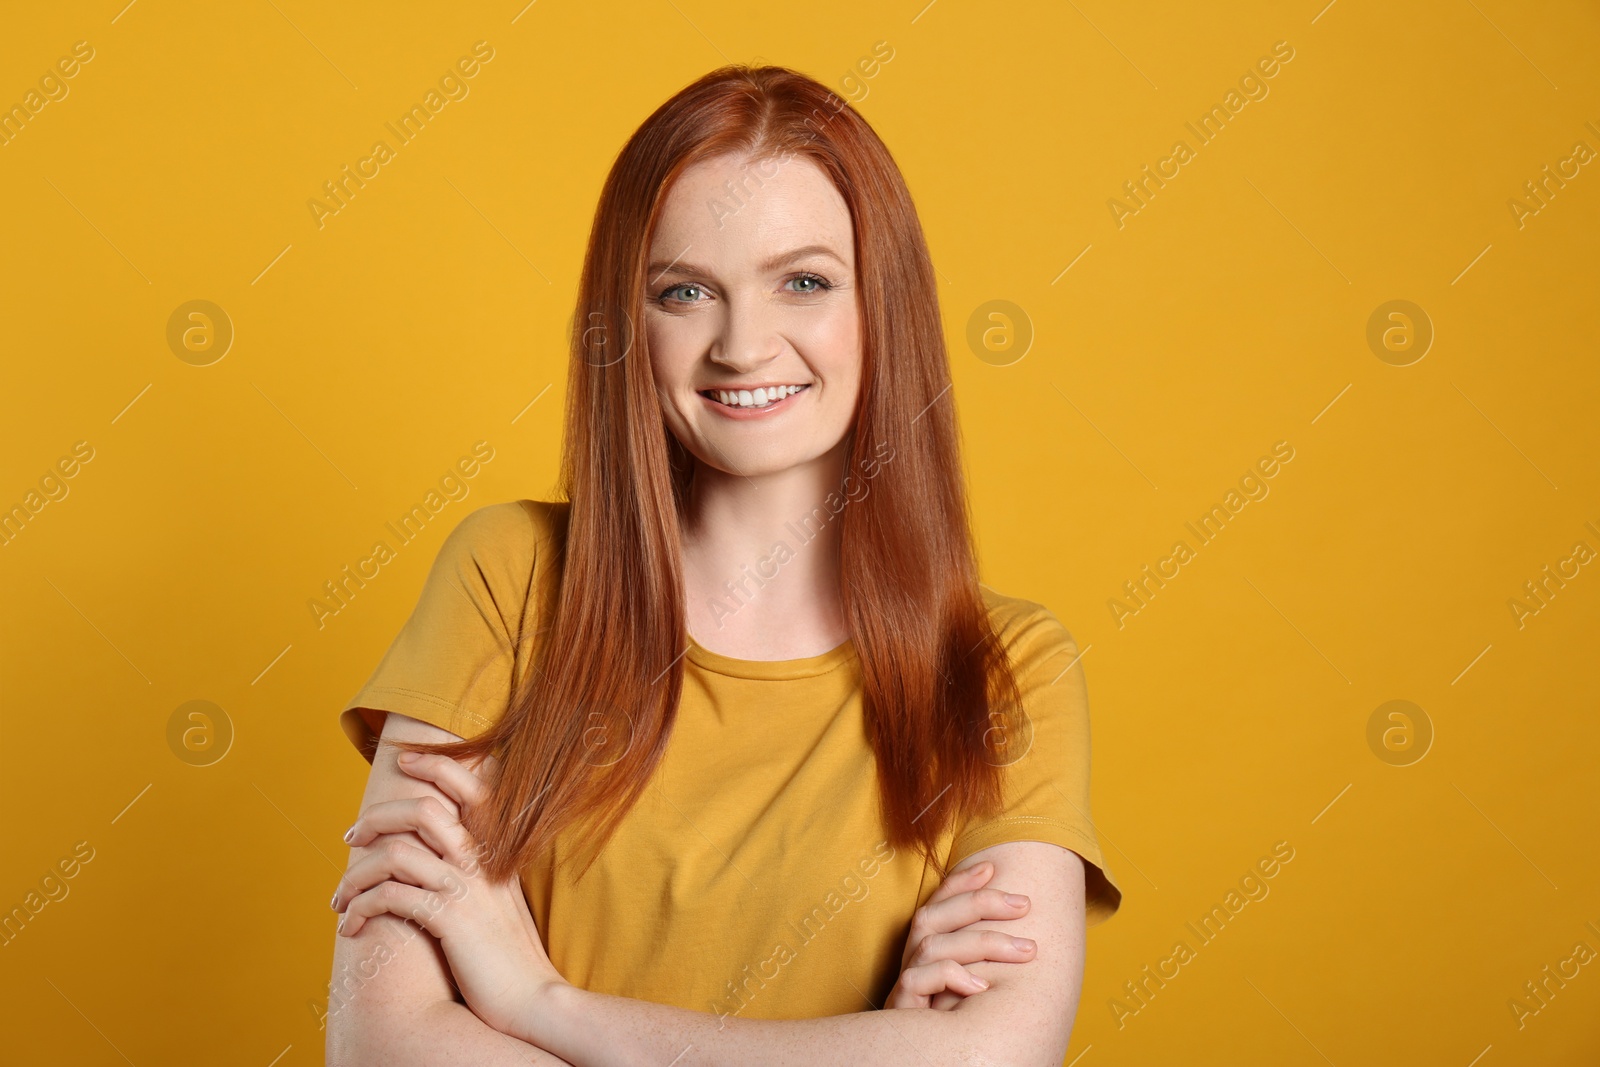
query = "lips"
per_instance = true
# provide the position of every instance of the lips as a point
(751, 410)
(753, 397)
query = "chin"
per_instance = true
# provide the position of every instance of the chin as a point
(745, 462)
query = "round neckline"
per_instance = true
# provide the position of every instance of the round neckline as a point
(772, 669)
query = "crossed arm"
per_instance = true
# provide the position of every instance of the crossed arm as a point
(393, 1000)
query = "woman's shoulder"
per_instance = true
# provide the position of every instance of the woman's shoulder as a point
(1028, 629)
(509, 532)
(510, 549)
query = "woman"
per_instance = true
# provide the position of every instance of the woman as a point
(760, 752)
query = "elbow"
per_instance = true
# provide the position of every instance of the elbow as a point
(372, 1038)
(1018, 1050)
(384, 1004)
(381, 1029)
(351, 1029)
(1003, 1038)
(1037, 1046)
(346, 1044)
(1032, 1054)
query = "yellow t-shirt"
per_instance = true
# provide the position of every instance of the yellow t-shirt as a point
(753, 877)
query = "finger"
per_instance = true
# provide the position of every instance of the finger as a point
(900, 997)
(457, 781)
(428, 817)
(963, 909)
(940, 975)
(974, 946)
(395, 859)
(421, 906)
(962, 881)
(945, 1001)
(446, 799)
(939, 916)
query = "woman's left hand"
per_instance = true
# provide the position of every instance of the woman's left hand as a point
(485, 929)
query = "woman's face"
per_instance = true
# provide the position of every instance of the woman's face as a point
(751, 315)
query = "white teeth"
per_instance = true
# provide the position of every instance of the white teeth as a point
(755, 398)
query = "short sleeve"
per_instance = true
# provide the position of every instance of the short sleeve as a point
(1046, 785)
(467, 642)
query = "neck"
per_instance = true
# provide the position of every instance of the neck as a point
(761, 560)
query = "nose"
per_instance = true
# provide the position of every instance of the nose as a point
(749, 337)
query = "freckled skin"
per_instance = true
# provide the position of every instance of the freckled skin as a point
(746, 324)
(719, 313)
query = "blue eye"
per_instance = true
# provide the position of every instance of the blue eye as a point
(820, 286)
(681, 285)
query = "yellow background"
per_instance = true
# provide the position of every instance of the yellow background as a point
(1230, 313)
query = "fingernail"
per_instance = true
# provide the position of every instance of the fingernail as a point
(334, 903)
(407, 757)
(980, 982)
(348, 834)
(343, 920)
(1016, 901)
(1023, 943)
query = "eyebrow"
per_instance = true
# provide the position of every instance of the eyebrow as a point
(677, 266)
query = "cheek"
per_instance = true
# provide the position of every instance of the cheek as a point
(834, 349)
(670, 358)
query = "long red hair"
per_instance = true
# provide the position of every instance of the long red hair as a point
(939, 695)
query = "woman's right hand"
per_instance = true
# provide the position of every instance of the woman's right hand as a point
(932, 974)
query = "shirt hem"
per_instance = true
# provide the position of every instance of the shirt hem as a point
(412, 703)
(1102, 895)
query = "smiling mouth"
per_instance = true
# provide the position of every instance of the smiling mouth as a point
(753, 398)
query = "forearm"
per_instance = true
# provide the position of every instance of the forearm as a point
(390, 1003)
(598, 1030)
(454, 1032)
(443, 1033)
